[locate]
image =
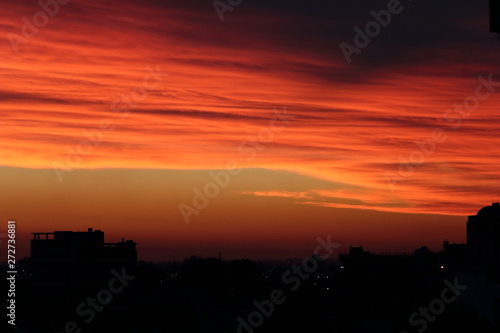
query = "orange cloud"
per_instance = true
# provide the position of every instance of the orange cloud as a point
(351, 125)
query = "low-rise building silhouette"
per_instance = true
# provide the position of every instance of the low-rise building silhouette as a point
(75, 261)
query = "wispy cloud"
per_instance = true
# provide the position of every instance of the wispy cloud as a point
(352, 121)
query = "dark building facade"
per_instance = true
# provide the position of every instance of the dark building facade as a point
(77, 261)
(483, 237)
(495, 16)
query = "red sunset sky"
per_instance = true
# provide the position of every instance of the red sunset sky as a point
(321, 170)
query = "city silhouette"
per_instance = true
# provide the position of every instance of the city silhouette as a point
(76, 281)
(250, 166)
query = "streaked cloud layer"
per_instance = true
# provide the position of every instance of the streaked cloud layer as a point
(351, 123)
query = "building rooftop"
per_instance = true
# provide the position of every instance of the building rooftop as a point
(490, 211)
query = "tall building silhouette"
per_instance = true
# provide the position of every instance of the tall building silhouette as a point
(483, 237)
(74, 261)
(495, 16)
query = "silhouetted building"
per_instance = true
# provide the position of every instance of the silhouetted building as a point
(454, 256)
(423, 252)
(426, 257)
(359, 260)
(70, 261)
(495, 16)
(483, 237)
